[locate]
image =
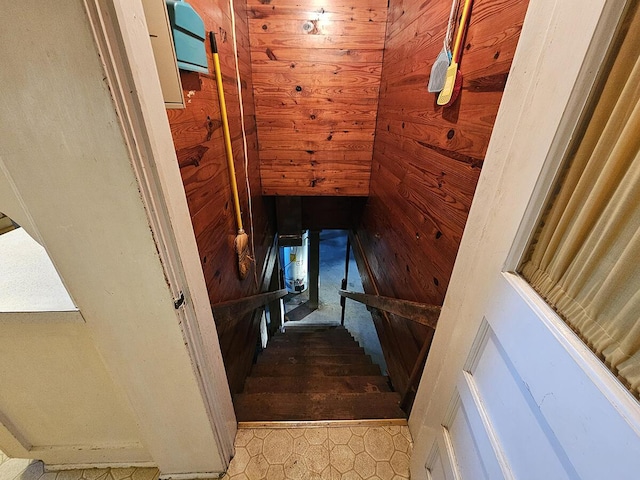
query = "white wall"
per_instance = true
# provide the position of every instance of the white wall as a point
(67, 175)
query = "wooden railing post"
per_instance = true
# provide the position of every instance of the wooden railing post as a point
(314, 268)
(345, 280)
(415, 372)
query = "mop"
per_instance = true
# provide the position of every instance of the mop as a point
(440, 66)
(453, 81)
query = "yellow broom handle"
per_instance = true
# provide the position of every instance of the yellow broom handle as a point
(227, 136)
(461, 29)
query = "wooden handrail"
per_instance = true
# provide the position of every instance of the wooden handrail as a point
(414, 376)
(234, 308)
(421, 313)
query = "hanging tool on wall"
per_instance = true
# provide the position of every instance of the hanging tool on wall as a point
(440, 66)
(241, 242)
(453, 82)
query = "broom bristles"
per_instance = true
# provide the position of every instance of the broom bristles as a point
(457, 86)
(241, 244)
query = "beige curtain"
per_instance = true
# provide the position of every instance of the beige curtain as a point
(585, 259)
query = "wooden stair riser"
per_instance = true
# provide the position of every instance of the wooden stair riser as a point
(317, 406)
(310, 328)
(288, 350)
(294, 330)
(318, 331)
(317, 384)
(311, 336)
(315, 360)
(267, 370)
(310, 347)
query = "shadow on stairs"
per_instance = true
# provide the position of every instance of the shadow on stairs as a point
(313, 373)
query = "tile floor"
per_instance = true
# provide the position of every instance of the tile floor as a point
(23, 469)
(327, 453)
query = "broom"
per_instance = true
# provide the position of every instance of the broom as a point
(241, 242)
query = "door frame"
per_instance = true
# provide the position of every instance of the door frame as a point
(122, 38)
(537, 117)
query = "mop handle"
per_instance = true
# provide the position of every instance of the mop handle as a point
(447, 37)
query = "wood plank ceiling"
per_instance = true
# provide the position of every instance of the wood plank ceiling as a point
(316, 77)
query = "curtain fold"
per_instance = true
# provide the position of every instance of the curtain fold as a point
(585, 257)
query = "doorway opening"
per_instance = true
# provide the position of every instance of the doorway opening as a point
(320, 364)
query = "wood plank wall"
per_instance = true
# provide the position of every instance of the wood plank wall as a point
(316, 77)
(426, 158)
(197, 135)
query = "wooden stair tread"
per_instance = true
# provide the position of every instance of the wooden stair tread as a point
(314, 328)
(317, 384)
(314, 335)
(279, 349)
(314, 359)
(311, 345)
(255, 407)
(315, 331)
(289, 370)
(311, 341)
(301, 328)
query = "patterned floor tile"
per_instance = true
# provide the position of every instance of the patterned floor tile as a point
(322, 453)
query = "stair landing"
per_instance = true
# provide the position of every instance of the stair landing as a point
(315, 373)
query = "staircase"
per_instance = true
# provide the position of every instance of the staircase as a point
(315, 372)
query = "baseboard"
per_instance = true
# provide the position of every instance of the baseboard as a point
(87, 466)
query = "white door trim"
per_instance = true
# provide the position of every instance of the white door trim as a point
(122, 39)
(553, 70)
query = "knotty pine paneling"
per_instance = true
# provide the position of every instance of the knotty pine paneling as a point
(197, 135)
(426, 158)
(316, 79)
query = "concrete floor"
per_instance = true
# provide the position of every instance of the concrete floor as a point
(333, 244)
